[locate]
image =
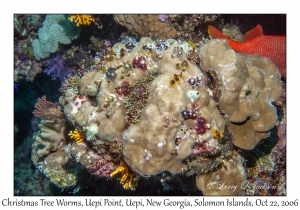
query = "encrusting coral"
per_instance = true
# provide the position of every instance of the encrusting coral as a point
(60, 169)
(250, 83)
(149, 104)
(228, 179)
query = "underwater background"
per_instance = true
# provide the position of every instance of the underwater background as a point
(37, 74)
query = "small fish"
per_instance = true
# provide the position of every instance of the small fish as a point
(271, 46)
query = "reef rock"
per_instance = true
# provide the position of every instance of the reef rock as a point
(145, 25)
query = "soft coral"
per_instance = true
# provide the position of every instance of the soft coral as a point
(54, 66)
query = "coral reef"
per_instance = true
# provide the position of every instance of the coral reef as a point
(56, 30)
(146, 108)
(233, 32)
(250, 84)
(192, 26)
(145, 25)
(77, 135)
(26, 25)
(25, 66)
(146, 115)
(55, 67)
(81, 19)
(267, 174)
(128, 179)
(49, 110)
(26, 180)
(60, 169)
(226, 180)
(49, 139)
(97, 43)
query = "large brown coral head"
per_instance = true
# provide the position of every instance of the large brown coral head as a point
(249, 83)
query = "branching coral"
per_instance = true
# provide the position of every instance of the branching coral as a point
(81, 19)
